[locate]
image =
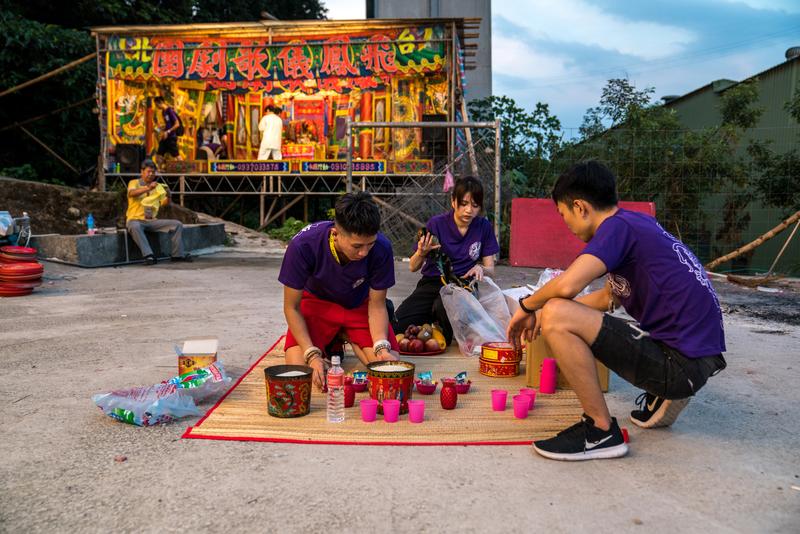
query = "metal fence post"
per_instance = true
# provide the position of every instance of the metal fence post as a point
(497, 180)
(348, 129)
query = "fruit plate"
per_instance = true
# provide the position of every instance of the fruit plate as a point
(426, 353)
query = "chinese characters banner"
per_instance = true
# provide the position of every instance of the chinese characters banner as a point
(339, 63)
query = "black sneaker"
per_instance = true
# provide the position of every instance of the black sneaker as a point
(150, 259)
(187, 258)
(655, 411)
(584, 441)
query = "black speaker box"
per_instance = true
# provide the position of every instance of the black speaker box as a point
(129, 157)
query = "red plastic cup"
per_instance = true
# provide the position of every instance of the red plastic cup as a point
(547, 379)
(416, 411)
(391, 410)
(369, 410)
(529, 392)
(521, 403)
(499, 397)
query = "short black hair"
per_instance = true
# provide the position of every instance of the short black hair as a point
(357, 213)
(590, 181)
(149, 163)
(158, 99)
(471, 185)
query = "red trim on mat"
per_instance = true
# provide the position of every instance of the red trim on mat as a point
(189, 428)
(187, 435)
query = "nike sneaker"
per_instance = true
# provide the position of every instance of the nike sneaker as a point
(655, 411)
(584, 441)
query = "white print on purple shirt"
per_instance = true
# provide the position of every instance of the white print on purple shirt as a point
(358, 283)
(309, 227)
(686, 257)
(619, 285)
(475, 250)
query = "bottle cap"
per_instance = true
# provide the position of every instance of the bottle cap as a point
(336, 360)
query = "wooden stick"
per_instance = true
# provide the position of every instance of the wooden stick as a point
(755, 243)
(48, 75)
(407, 217)
(52, 152)
(281, 212)
(783, 248)
(59, 110)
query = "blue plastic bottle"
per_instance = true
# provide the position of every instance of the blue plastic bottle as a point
(90, 224)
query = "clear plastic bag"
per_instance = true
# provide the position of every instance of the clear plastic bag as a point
(547, 275)
(147, 406)
(167, 401)
(473, 324)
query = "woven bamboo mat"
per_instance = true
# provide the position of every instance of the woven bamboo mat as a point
(241, 415)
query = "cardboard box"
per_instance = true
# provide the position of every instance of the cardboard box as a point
(537, 351)
(197, 353)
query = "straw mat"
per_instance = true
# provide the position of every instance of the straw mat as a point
(241, 414)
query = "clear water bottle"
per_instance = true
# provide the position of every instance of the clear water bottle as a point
(335, 391)
(90, 224)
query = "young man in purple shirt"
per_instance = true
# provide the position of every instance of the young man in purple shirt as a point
(677, 344)
(335, 277)
(463, 236)
(168, 140)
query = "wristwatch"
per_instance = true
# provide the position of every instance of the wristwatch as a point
(522, 305)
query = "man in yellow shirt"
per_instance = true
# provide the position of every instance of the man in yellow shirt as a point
(145, 197)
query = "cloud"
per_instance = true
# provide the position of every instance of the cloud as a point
(790, 6)
(577, 21)
(515, 56)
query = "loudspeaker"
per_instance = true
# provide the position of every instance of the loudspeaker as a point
(434, 140)
(129, 157)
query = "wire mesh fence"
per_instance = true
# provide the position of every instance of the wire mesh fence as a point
(716, 190)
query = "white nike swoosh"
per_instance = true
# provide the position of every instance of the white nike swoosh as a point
(651, 406)
(590, 445)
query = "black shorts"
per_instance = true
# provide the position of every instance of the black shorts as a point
(649, 364)
(168, 146)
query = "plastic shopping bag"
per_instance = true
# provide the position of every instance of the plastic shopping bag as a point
(472, 324)
(494, 302)
(147, 406)
(203, 383)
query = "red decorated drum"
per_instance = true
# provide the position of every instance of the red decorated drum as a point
(500, 351)
(288, 390)
(391, 380)
(498, 369)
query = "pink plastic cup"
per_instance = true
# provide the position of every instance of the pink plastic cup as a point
(529, 392)
(391, 410)
(416, 411)
(499, 397)
(369, 410)
(521, 403)
(547, 379)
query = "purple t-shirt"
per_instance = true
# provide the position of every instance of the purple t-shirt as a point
(660, 282)
(308, 264)
(464, 251)
(170, 119)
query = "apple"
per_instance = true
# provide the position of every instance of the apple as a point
(432, 346)
(416, 345)
(403, 344)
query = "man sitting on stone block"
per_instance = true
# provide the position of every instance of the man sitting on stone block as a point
(145, 198)
(335, 276)
(672, 351)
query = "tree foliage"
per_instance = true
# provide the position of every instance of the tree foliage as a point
(37, 36)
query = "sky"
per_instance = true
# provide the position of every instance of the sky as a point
(562, 52)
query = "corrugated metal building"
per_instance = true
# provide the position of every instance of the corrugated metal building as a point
(701, 109)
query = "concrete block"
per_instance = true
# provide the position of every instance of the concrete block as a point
(107, 249)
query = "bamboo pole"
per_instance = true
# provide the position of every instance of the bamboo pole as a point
(755, 243)
(409, 218)
(280, 212)
(51, 151)
(59, 110)
(783, 248)
(48, 75)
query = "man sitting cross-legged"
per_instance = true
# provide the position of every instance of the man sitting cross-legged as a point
(335, 277)
(670, 354)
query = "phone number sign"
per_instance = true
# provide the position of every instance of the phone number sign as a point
(249, 167)
(372, 166)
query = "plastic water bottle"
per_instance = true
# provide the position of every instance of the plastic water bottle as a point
(335, 391)
(90, 224)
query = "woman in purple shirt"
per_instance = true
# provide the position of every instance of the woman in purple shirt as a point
(466, 238)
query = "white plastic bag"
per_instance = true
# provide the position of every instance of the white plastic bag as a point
(547, 275)
(203, 383)
(472, 323)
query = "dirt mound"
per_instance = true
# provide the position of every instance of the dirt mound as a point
(56, 209)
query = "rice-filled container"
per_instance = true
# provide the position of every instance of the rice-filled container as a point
(288, 390)
(391, 380)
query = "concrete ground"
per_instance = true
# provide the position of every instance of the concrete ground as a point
(729, 464)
